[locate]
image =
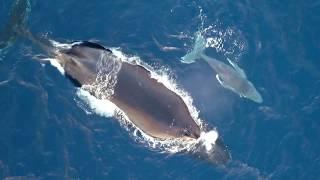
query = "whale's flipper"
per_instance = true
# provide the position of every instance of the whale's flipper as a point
(237, 68)
(17, 18)
(219, 79)
(223, 84)
(196, 52)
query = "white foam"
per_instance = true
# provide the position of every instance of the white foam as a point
(117, 52)
(228, 41)
(215, 42)
(208, 139)
(101, 107)
(55, 63)
(62, 45)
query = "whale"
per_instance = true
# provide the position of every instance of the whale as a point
(156, 110)
(230, 77)
(151, 106)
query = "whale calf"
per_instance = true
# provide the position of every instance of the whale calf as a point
(230, 77)
(149, 104)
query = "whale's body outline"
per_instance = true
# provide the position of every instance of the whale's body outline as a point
(230, 77)
(151, 106)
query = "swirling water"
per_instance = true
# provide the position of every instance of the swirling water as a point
(44, 132)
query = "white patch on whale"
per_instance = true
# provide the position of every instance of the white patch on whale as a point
(55, 64)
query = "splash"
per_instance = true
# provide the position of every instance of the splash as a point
(55, 63)
(103, 108)
(208, 139)
(108, 67)
(225, 40)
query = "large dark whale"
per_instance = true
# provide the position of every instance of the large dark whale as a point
(150, 105)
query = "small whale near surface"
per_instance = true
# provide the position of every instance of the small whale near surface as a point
(230, 77)
(150, 105)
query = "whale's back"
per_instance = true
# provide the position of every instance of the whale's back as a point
(154, 108)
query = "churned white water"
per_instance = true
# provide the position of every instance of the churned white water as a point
(56, 64)
(208, 139)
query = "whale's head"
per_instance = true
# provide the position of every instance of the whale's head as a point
(250, 92)
(211, 148)
(80, 61)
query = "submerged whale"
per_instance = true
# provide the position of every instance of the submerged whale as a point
(150, 105)
(232, 78)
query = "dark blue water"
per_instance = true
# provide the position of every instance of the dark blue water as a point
(44, 134)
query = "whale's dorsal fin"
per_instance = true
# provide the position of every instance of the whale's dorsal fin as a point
(92, 45)
(73, 80)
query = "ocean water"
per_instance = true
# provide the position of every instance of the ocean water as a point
(47, 133)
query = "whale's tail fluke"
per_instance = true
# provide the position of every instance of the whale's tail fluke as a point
(197, 51)
(12, 29)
